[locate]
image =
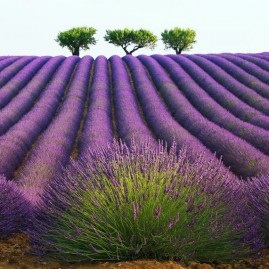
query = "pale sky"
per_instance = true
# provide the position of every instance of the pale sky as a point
(29, 27)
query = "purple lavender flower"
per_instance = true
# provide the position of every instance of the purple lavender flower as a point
(15, 210)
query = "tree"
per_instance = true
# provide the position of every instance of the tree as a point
(77, 38)
(127, 37)
(178, 39)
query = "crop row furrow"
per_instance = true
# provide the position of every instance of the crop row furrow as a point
(129, 121)
(52, 151)
(19, 139)
(27, 97)
(243, 159)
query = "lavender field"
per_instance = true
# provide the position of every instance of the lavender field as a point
(53, 109)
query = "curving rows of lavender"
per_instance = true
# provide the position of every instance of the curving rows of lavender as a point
(54, 108)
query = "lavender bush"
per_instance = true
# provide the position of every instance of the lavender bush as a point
(259, 201)
(14, 209)
(142, 202)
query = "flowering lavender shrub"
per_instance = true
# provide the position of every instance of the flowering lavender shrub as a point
(134, 202)
(14, 209)
(259, 201)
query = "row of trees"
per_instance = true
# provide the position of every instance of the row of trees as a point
(129, 40)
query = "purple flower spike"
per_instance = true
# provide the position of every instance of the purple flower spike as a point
(14, 209)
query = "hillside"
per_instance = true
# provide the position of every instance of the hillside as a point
(52, 108)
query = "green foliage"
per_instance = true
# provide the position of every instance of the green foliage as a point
(77, 38)
(139, 203)
(178, 39)
(127, 37)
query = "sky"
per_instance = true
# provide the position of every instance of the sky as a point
(29, 27)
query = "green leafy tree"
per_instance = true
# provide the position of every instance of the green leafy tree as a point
(77, 38)
(128, 37)
(178, 39)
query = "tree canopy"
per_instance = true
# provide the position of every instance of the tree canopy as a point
(178, 39)
(77, 38)
(127, 37)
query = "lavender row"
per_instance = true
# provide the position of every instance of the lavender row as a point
(20, 80)
(53, 149)
(8, 61)
(15, 144)
(98, 128)
(26, 98)
(12, 69)
(243, 159)
(229, 79)
(219, 93)
(207, 106)
(263, 55)
(130, 123)
(158, 117)
(262, 63)
(249, 74)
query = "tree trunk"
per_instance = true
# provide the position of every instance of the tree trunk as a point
(126, 51)
(76, 51)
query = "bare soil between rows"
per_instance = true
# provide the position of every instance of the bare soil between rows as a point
(14, 254)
